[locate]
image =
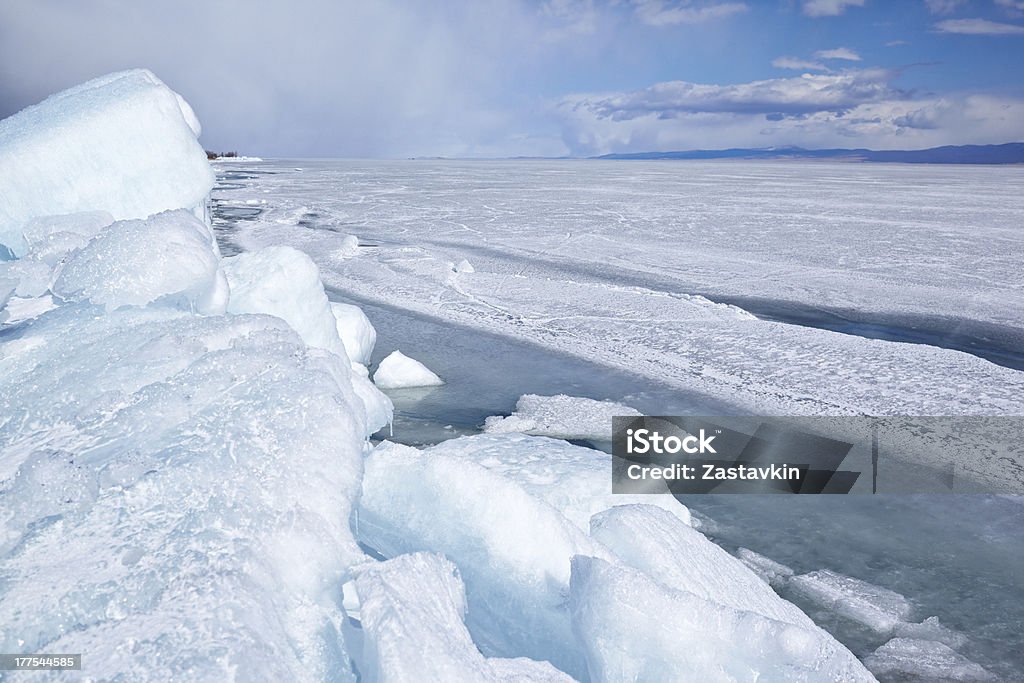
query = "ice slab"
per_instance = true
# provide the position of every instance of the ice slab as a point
(636, 629)
(398, 371)
(561, 417)
(411, 610)
(574, 480)
(167, 258)
(676, 555)
(923, 661)
(284, 282)
(123, 143)
(356, 332)
(876, 608)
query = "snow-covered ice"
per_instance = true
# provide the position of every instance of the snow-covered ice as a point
(561, 417)
(632, 284)
(398, 371)
(123, 143)
(411, 612)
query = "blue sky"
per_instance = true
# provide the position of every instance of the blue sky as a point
(396, 78)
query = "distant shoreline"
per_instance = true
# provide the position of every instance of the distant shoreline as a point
(1011, 153)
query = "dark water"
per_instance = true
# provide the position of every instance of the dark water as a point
(485, 375)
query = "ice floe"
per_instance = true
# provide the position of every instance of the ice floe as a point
(562, 417)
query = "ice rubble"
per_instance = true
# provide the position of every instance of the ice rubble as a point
(561, 417)
(155, 463)
(398, 371)
(130, 149)
(411, 612)
(512, 512)
(178, 480)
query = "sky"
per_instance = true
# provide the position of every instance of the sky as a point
(495, 78)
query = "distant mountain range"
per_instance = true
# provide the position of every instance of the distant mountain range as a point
(1009, 153)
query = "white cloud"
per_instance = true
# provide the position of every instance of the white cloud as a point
(794, 96)
(979, 27)
(678, 116)
(838, 53)
(661, 13)
(943, 6)
(828, 8)
(797, 64)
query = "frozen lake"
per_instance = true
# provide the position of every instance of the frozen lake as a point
(637, 281)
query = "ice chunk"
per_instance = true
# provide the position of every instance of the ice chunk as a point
(772, 572)
(33, 277)
(123, 143)
(655, 542)
(398, 371)
(19, 309)
(411, 609)
(377, 407)
(562, 417)
(573, 479)
(464, 266)
(636, 629)
(877, 608)
(84, 224)
(923, 661)
(284, 282)
(165, 257)
(356, 332)
(512, 549)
